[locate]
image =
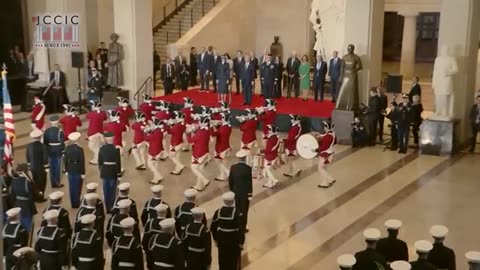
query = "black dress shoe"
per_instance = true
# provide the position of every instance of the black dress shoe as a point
(59, 186)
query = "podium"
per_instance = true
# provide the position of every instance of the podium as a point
(438, 138)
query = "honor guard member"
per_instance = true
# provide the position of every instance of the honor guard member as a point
(240, 183)
(390, 247)
(25, 258)
(96, 119)
(248, 127)
(138, 149)
(326, 152)
(200, 153)
(38, 113)
(63, 217)
(187, 112)
(152, 227)
(126, 249)
(403, 124)
(70, 121)
(51, 243)
(473, 258)
(346, 261)
(37, 158)
(14, 235)
(290, 144)
(271, 156)
(54, 141)
(74, 160)
(125, 111)
(22, 194)
(176, 130)
(222, 134)
(110, 165)
(147, 107)
(183, 215)
(197, 242)
(369, 258)
(268, 115)
(90, 209)
(441, 256)
(154, 136)
(123, 192)
(400, 265)
(87, 246)
(228, 234)
(423, 247)
(114, 228)
(149, 211)
(417, 109)
(92, 188)
(165, 251)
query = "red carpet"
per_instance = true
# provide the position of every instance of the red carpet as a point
(307, 108)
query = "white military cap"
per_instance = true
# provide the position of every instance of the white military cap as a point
(197, 211)
(393, 224)
(372, 234)
(36, 133)
(423, 246)
(473, 256)
(56, 195)
(88, 218)
(124, 186)
(90, 196)
(13, 212)
(74, 136)
(400, 265)
(346, 260)
(228, 196)
(127, 222)
(439, 231)
(161, 207)
(241, 153)
(190, 193)
(22, 251)
(167, 223)
(156, 188)
(92, 186)
(50, 214)
(124, 203)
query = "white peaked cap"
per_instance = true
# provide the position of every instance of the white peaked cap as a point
(55, 195)
(50, 214)
(241, 153)
(13, 212)
(91, 196)
(372, 234)
(438, 231)
(92, 186)
(190, 193)
(124, 203)
(161, 207)
(124, 186)
(423, 246)
(473, 256)
(228, 196)
(74, 136)
(36, 133)
(197, 211)
(167, 223)
(400, 265)
(88, 218)
(127, 222)
(393, 224)
(156, 188)
(346, 260)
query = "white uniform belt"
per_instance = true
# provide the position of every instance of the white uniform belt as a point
(55, 144)
(126, 264)
(109, 163)
(162, 264)
(226, 230)
(50, 251)
(199, 250)
(83, 259)
(22, 198)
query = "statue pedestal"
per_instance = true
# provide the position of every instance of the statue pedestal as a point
(110, 97)
(438, 137)
(342, 121)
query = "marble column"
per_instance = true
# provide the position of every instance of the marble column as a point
(407, 61)
(133, 24)
(460, 28)
(364, 28)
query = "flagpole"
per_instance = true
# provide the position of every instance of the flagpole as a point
(4, 88)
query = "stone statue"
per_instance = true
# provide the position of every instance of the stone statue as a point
(327, 18)
(115, 54)
(348, 97)
(444, 69)
(276, 48)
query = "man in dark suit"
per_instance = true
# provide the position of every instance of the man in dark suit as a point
(57, 89)
(214, 61)
(319, 74)
(383, 106)
(157, 65)
(177, 61)
(247, 77)
(240, 183)
(335, 72)
(103, 52)
(475, 122)
(373, 113)
(238, 64)
(167, 76)
(269, 76)
(416, 89)
(193, 66)
(293, 63)
(202, 67)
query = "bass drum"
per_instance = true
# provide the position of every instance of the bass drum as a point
(307, 145)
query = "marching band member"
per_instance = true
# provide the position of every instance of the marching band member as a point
(147, 107)
(223, 106)
(117, 128)
(187, 111)
(325, 155)
(154, 137)
(176, 130)
(96, 117)
(163, 115)
(248, 127)
(267, 115)
(222, 145)
(291, 144)
(271, 155)
(200, 141)
(125, 111)
(38, 113)
(139, 145)
(70, 121)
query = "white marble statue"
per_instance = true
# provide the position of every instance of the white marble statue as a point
(444, 69)
(40, 60)
(327, 18)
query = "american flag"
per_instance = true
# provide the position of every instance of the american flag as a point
(9, 125)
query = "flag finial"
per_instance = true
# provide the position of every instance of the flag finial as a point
(4, 70)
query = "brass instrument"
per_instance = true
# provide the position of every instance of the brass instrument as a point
(241, 118)
(260, 110)
(215, 123)
(196, 116)
(192, 128)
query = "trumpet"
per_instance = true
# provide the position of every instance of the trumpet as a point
(196, 116)
(215, 123)
(191, 128)
(241, 118)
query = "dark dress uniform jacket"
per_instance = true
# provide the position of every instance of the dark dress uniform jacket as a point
(369, 259)
(442, 257)
(63, 219)
(51, 246)
(183, 216)
(37, 156)
(109, 161)
(392, 249)
(100, 208)
(198, 246)
(133, 207)
(14, 237)
(165, 252)
(74, 159)
(127, 254)
(422, 264)
(87, 253)
(21, 193)
(149, 211)
(240, 183)
(152, 228)
(99, 221)
(115, 230)
(54, 140)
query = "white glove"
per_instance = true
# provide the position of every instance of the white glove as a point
(83, 176)
(66, 173)
(33, 126)
(47, 170)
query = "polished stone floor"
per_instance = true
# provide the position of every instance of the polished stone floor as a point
(298, 226)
